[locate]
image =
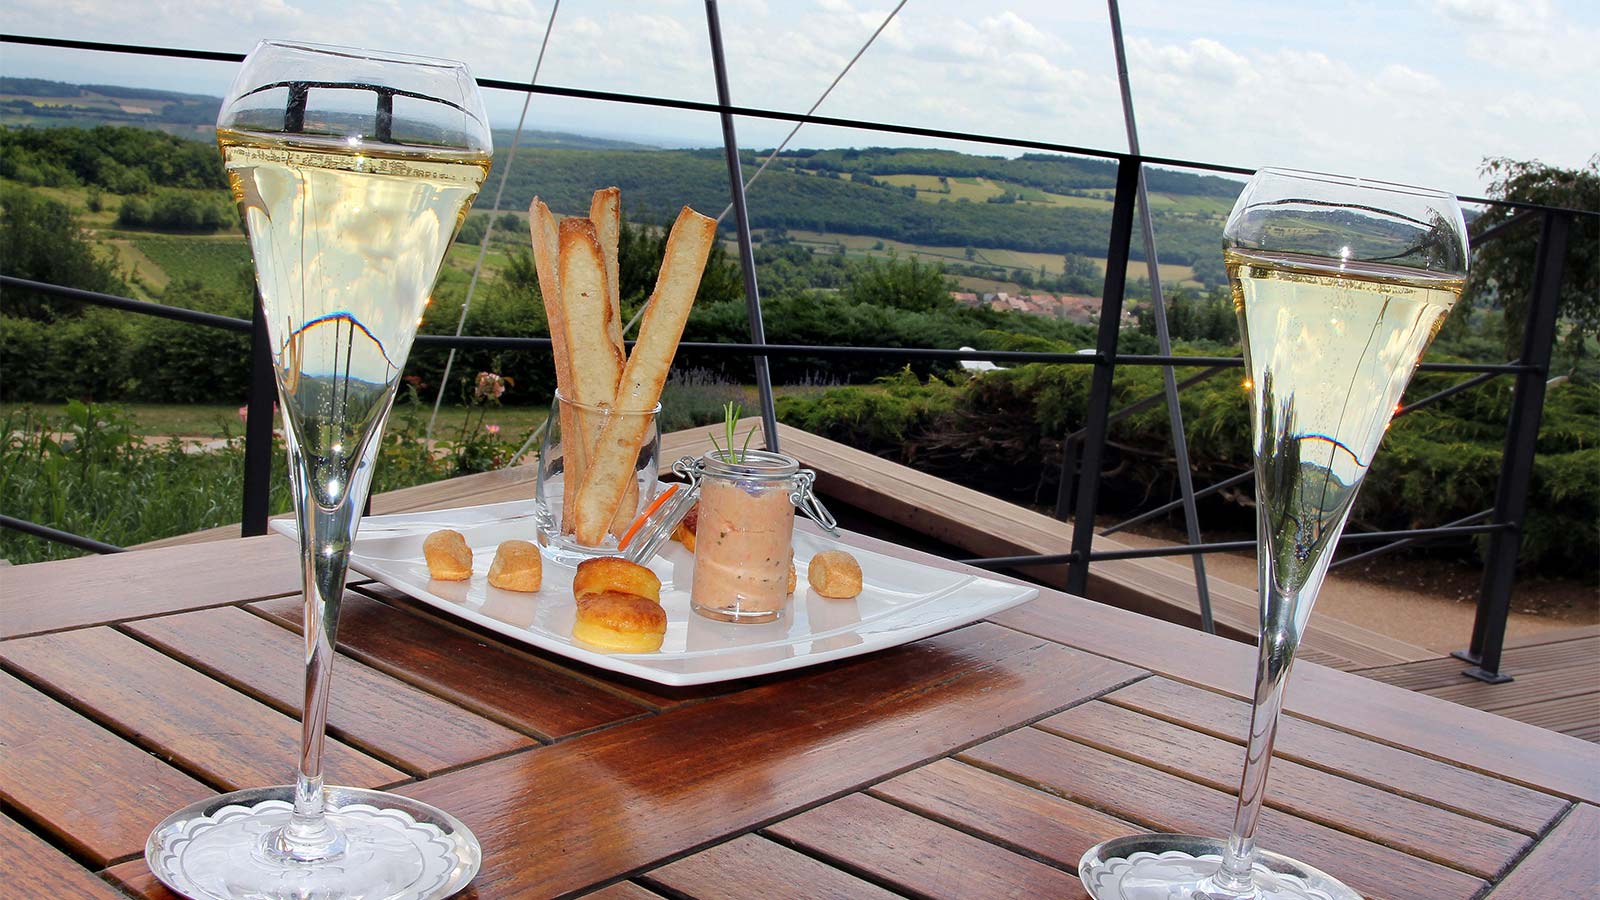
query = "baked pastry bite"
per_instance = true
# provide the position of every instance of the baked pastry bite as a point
(835, 574)
(618, 622)
(613, 573)
(793, 580)
(449, 558)
(517, 566)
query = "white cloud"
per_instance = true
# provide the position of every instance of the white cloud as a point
(1501, 13)
(1417, 91)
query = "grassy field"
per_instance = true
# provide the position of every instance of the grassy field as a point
(861, 245)
(930, 189)
(215, 261)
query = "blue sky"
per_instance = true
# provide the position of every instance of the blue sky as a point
(1408, 90)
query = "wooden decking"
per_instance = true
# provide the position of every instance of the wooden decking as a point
(1558, 678)
(1556, 686)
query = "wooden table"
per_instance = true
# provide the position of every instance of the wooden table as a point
(979, 763)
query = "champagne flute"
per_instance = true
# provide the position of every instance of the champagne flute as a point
(353, 171)
(1339, 285)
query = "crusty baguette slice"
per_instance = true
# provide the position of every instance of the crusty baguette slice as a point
(546, 262)
(617, 450)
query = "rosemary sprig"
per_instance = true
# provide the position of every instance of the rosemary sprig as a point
(731, 412)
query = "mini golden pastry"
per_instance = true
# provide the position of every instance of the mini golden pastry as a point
(449, 558)
(613, 573)
(684, 532)
(517, 566)
(620, 623)
(792, 579)
(835, 573)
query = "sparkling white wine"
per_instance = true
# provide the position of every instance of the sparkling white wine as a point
(348, 240)
(1329, 349)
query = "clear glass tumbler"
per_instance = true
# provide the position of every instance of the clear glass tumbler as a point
(568, 443)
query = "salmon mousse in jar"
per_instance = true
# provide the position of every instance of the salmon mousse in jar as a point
(744, 537)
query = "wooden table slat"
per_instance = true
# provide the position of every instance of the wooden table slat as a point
(378, 713)
(1419, 829)
(208, 729)
(98, 794)
(1454, 788)
(1565, 865)
(622, 890)
(124, 586)
(1166, 802)
(920, 856)
(752, 866)
(34, 870)
(626, 796)
(487, 678)
(1001, 810)
(1534, 757)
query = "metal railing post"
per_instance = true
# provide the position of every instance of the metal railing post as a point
(1516, 472)
(258, 428)
(1099, 406)
(741, 219)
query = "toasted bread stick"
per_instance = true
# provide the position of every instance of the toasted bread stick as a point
(596, 362)
(617, 450)
(546, 261)
(605, 211)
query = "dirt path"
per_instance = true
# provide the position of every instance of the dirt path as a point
(1428, 603)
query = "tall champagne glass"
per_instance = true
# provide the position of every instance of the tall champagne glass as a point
(1339, 285)
(353, 170)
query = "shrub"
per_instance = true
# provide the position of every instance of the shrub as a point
(1002, 433)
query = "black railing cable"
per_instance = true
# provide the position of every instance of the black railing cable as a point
(56, 535)
(488, 231)
(628, 328)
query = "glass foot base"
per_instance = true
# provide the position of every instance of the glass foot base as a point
(395, 848)
(1180, 866)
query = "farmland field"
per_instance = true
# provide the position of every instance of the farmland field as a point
(215, 262)
(862, 245)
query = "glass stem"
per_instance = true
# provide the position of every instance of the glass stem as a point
(1280, 637)
(326, 534)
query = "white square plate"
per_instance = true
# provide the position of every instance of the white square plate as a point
(901, 601)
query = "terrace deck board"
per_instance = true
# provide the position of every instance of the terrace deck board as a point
(1556, 681)
(978, 763)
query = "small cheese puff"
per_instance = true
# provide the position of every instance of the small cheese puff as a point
(517, 566)
(449, 558)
